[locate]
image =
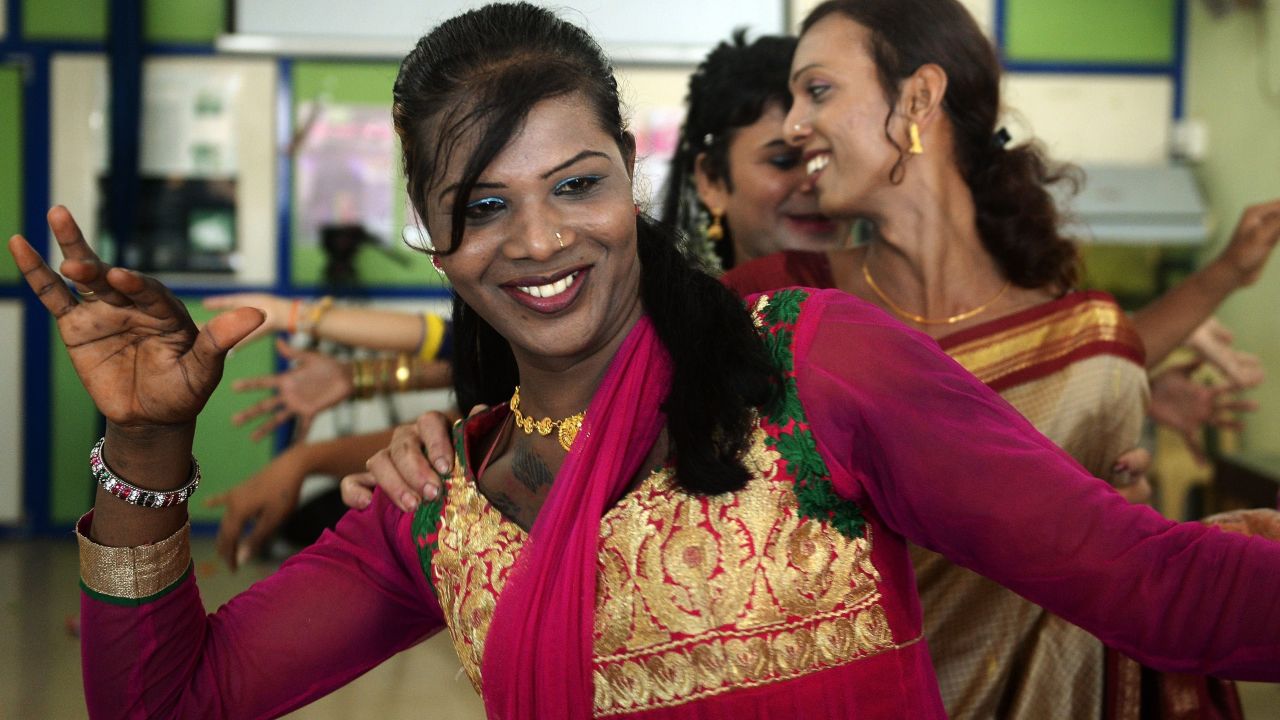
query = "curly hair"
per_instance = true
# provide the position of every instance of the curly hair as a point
(730, 89)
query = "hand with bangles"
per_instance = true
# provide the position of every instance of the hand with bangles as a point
(146, 365)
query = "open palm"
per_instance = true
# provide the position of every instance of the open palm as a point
(134, 346)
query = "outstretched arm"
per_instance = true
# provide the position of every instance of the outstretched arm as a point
(388, 330)
(1167, 321)
(951, 466)
(148, 648)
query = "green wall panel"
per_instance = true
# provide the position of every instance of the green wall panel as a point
(10, 164)
(367, 84)
(227, 455)
(184, 21)
(64, 19)
(1090, 31)
(76, 427)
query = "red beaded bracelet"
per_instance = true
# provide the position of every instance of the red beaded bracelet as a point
(134, 495)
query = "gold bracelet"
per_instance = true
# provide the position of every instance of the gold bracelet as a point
(361, 379)
(314, 314)
(404, 372)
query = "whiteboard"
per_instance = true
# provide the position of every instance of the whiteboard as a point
(642, 30)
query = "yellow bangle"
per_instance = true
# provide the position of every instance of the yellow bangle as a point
(432, 336)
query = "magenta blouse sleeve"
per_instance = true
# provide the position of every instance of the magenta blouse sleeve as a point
(326, 616)
(947, 463)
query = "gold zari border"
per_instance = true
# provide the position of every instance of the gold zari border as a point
(134, 572)
(1044, 340)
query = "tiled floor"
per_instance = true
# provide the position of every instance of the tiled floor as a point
(40, 660)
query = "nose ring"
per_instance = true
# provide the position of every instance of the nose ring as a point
(797, 127)
(560, 240)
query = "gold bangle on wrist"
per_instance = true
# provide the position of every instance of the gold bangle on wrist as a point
(314, 314)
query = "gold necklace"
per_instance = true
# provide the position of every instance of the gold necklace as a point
(920, 319)
(567, 428)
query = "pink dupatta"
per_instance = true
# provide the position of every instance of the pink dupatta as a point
(537, 659)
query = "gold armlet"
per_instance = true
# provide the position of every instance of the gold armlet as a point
(134, 574)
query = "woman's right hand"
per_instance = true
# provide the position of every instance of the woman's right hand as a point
(315, 382)
(144, 362)
(276, 311)
(402, 470)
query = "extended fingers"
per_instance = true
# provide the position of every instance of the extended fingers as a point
(279, 418)
(261, 407)
(52, 291)
(69, 237)
(263, 382)
(229, 530)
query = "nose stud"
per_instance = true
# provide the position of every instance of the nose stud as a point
(560, 240)
(797, 127)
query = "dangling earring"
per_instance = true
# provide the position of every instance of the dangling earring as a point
(435, 262)
(914, 131)
(715, 231)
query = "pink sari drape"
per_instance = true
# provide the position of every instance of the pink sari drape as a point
(537, 659)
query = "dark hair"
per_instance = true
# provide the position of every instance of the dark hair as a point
(1016, 214)
(483, 71)
(729, 90)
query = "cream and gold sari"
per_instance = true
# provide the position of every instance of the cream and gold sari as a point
(1074, 368)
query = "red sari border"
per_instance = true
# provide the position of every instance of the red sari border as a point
(1042, 340)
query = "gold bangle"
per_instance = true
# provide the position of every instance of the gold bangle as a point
(361, 379)
(132, 573)
(404, 372)
(316, 312)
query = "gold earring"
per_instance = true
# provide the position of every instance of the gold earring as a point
(715, 231)
(914, 131)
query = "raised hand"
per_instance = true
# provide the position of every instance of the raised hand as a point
(133, 344)
(314, 383)
(276, 311)
(1251, 244)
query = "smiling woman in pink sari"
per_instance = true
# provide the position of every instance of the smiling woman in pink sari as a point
(679, 507)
